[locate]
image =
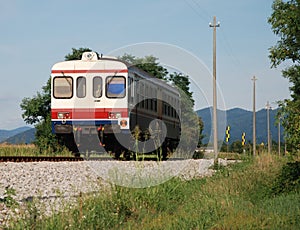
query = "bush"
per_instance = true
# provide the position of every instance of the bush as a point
(198, 155)
(288, 179)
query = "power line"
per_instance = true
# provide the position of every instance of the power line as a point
(197, 8)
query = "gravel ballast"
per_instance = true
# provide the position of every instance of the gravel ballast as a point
(66, 180)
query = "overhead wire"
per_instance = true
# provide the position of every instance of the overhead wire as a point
(205, 16)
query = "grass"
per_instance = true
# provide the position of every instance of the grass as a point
(240, 196)
(27, 150)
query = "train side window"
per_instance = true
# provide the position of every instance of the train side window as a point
(132, 89)
(81, 87)
(150, 104)
(97, 87)
(63, 87)
(142, 101)
(115, 87)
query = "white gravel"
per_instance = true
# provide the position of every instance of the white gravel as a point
(66, 180)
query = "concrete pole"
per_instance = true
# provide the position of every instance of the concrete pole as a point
(254, 117)
(279, 145)
(268, 107)
(215, 125)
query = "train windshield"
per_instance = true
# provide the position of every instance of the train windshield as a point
(81, 87)
(115, 87)
(97, 87)
(63, 87)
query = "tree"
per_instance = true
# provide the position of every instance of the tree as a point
(285, 22)
(37, 112)
(37, 109)
(182, 82)
(149, 64)
(76, 54)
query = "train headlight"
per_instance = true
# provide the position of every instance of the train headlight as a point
(63, 115)
(114, 115)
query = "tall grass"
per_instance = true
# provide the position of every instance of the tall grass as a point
(237, 197)
(28, 150)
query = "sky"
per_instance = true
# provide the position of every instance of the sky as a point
(37, 34)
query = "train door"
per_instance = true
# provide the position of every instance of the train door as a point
(88, 93)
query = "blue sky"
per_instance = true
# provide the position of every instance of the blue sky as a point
(36, 34)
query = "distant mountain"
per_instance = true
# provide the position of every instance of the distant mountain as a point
(240, 121)
(5, 134)
(25, 137)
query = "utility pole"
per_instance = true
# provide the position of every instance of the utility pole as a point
(254, 117)
(268, 107)
(279, 145)
(215, 125)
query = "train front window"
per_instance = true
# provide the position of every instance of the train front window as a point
(115, 87)
(63, 87)
(81, 87)
(97, 87)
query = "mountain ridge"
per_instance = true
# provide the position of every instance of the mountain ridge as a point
(5, 133)
(240, 120)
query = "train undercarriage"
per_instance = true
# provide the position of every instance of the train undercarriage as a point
(98, 141)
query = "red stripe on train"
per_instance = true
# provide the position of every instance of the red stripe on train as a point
(91, 71)
(90, 113)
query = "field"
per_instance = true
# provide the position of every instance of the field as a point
(259, 193)
(26, 150)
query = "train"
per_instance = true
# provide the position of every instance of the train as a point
(103, 104)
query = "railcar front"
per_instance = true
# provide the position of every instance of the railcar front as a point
(89, 103)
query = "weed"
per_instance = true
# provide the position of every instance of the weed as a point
(8, 198)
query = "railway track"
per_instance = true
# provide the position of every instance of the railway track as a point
(71, 158)
(38, 158)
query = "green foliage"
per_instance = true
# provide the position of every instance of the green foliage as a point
(29, 150)
(76, 54)
(285, 22)
(288, 179)
(37, 108)
(149, 64)
(235, 147)
(8, 198)
(183, 83)
(198, 155)
(201, 135)
(46, 141)
(289, 115)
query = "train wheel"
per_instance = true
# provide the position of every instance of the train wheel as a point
(77, 154)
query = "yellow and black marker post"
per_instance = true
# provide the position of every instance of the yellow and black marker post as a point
(227, 136)
(243, 141)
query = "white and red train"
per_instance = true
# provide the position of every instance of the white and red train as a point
(99, 102)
